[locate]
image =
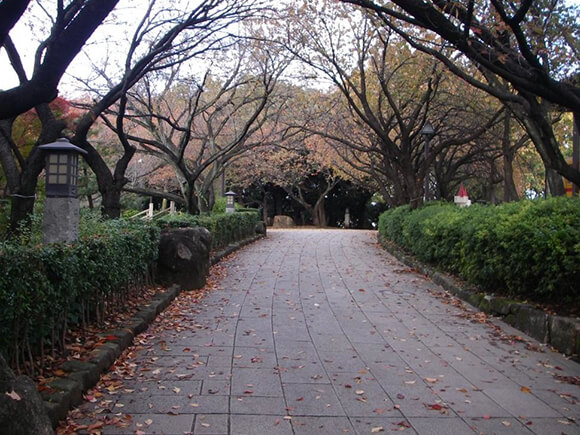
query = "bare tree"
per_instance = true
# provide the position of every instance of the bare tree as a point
(503, 40)
(389, 92)
(164, 37)
(72, 26)
(198, 127)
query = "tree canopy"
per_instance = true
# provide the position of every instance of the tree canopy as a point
(303, 96)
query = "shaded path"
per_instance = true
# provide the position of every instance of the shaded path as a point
(322, 332)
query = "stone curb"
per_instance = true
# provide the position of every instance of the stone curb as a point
(234, 247)
(562, 333)
(66, 392)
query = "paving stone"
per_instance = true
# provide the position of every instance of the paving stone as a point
(301, 315)
(171, 404)
(312, 400)
(150, 424)
(362, 396)
(440, 426)
(162, 387)
(503, 425)
(211, 424)
(259, 424)
(322, 425)
(258, 382)
(551, 426)
(246, 404)
(382, 425)
(520, 401)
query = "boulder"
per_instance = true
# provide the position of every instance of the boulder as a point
(261, 228)
(184, 257)
(282, 221)
(22, 410)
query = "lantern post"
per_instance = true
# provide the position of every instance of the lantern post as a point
(427, 132)
(60, 221)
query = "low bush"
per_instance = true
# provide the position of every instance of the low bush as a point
(527, 250)
(45, 289)
(225, 228)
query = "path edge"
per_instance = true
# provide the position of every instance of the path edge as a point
(560, 332)
(67, 391)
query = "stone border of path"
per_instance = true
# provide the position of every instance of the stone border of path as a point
(83, 375)
(562, 333)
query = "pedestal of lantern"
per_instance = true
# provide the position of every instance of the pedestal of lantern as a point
(60, 222)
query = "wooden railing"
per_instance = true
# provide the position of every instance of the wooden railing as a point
(150, 213)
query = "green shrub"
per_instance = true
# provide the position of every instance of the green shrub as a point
(225, 228)
(46, 288)
(529, 249)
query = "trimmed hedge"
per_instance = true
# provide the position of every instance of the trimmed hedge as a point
(225, 228)
(44, 289)
(526, 250)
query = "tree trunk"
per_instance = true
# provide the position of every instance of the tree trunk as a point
(413, 198)
(319, 213)
(21, 176)
(510, 192)
(191, 203)
(554, 184)
(537, 124)
(111, 205)
(24, 197)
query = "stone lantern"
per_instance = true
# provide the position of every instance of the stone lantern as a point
(230, 207)
(61, 206)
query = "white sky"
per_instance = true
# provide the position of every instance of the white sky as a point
(107, 37)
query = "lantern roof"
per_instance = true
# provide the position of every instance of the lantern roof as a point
(63, 145)
(428, 129)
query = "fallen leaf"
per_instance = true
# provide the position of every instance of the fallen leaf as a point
(148, 422)
(93, 427)
(205, 424)
(486, 417)
(525, 390)
(359, 392)
(377, 429)
(566, 422)
(13, 395)
(431, 380)
(176, 389)
(300, 399)
(506, 423)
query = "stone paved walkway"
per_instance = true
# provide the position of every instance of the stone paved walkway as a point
(322, 332)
